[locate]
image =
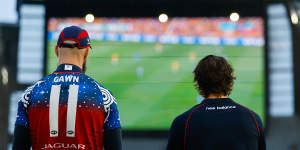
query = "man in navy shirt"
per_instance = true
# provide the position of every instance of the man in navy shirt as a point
(217, 123)
(67, 109)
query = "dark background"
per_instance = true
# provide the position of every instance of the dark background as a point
(152, 8)
(281, 132)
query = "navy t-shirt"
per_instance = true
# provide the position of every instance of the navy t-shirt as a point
(217, 124)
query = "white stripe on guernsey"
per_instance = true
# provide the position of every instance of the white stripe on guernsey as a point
(72, 107)
(53, 110)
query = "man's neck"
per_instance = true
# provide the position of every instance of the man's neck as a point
(69, 62)
(212, 96)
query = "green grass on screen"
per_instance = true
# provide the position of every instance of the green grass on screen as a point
(153, 83)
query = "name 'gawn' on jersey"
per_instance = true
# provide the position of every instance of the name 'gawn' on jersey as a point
(67, 110)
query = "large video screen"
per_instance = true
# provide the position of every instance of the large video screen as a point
(148, 65)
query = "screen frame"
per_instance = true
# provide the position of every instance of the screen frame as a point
(163, 133)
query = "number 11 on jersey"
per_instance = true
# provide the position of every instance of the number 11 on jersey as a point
(71, 110)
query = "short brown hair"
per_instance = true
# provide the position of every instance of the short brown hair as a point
(214, 75)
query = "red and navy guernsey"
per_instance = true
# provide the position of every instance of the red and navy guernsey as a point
(67, 110)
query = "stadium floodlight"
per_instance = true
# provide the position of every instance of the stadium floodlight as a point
(4, 74)
(234, 17)
(294, 17)
(89, 18)
(163, 18)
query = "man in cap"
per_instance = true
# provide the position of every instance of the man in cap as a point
(67, 109)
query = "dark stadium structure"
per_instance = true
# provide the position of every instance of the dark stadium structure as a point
(281, 132)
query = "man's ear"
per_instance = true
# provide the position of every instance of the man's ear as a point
(56, 50)
(86, 53)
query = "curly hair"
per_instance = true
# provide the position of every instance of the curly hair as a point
(214, 75)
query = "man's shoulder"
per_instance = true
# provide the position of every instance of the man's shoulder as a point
(88, 80)
(246, 110)
(25, 97)
(107, 95)
(185, 115)
(38, 83)
(249, 112)
(197, 107)
(93, 82)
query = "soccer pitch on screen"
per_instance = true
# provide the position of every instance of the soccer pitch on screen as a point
(153, 83)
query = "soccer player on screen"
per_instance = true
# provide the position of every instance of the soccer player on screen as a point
(217, 123)
(67, 109)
